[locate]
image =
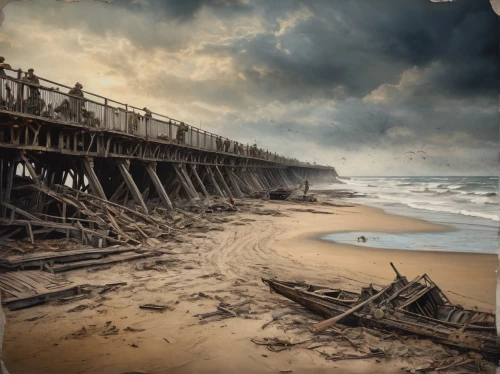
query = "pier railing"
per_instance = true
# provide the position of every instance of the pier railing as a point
(48, 101)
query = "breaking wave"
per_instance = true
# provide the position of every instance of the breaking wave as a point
(466, 196)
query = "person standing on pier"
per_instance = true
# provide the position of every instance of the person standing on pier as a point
(218, 143)
(147, 116)
(227, 144)
(240, 148)
(32, 77)
(34, 105)
(147, 113)
(76, 104)
(235, 148)
(181, 130)
(3, 65)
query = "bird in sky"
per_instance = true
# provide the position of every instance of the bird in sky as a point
(409, 152)
(273, 121)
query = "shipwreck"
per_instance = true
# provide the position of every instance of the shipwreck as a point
(416, 307)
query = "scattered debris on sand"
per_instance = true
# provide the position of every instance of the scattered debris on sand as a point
(157, 307)
(415, 307)
(224, 310)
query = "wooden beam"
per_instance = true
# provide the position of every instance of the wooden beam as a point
(95, 185)
(244, 186)
(197, 177)
(192, 194)
(10, 179)
(224, 184)
(213, 181)
(151, 169)
(134, 190)
(28, 165)
(188, 179)
(233, 182)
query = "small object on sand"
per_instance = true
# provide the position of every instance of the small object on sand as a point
(131, 329)
(166, 340)
(378, 314)
(93, 270)
(286, 371)
(153, 306)
(72, 298)
(362, 239)
(134, 345)
(78, 308)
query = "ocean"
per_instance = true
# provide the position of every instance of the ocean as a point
(468, 204)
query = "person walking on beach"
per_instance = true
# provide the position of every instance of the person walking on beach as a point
(306, 187)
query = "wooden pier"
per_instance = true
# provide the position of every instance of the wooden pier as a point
(56, 148)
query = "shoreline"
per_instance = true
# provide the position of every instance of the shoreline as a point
(478, 269)
(225, 264)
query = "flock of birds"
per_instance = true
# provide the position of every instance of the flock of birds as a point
(423, 155)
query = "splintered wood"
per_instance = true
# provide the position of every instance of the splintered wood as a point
(88, 218)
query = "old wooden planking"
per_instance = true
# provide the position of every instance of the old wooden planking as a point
(34, 285)
(65, 256)
(102, 261)
(26, 282)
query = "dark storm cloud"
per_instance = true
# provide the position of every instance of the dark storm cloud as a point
(331, 75)
(184, 10)
(358, 45)
(361, 45)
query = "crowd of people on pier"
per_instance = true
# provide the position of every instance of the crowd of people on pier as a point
(74, 108)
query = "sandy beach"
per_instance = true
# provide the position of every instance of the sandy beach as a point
(198, 270)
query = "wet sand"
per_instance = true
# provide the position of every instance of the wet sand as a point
(227, 265)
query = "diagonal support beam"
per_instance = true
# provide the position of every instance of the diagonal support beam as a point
(242, 185)
(151, 169)
(28, 165)
(236, 187)
(214, 182)
(198, 179)
(224, 184)
(134, 190)
(95, 185)
(188, 179)
(192, 194)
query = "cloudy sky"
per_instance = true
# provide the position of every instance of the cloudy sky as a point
(352, 84)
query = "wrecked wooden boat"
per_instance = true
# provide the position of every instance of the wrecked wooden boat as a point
(413, 307)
